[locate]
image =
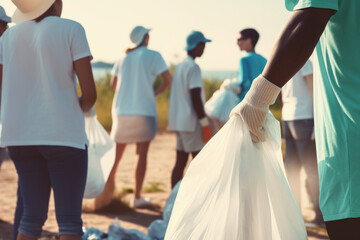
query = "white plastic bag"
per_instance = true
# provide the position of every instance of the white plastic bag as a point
(237, 190)
(222, 102)
(101, 157)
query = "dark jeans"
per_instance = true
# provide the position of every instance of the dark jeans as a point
(18, 213)
(345, 229)
(42, 168)
(301, 152)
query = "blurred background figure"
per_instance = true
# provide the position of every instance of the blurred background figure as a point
(250, 66)
(134, 108)
(298, 130)
(186, 106)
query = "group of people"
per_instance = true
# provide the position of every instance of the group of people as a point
(42, 115)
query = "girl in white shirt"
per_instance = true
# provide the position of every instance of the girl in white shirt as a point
(134, 106)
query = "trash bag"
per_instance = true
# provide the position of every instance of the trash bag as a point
(101, 157)
(237, 189)
(222, 102)
(157, 228)
(93, 234)
(116, 232)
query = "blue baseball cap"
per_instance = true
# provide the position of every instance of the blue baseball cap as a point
(193, 39)
(3, 16)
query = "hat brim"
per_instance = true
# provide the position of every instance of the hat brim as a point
(191, 47)
(19, 16)
(141, 39)
(6, 19)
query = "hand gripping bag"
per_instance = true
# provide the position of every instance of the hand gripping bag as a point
(101, 157)
(237, 190)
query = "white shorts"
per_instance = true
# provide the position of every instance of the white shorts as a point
(190, 141)
(133, 129)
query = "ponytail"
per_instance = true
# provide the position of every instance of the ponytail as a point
(140, 45)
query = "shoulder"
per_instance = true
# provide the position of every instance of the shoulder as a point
(152, 53)
(68, 24)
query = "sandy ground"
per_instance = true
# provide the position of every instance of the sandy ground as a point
(161, 160)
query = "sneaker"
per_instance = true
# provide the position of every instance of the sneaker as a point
(140, 202)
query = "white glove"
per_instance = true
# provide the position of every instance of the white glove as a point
(91, 112)
(255, 106)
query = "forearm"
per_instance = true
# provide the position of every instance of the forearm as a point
(113, 82)
(197, 102)
(296, 44)
(162, 87)
(165, 83)
(87, 84)
(86, 103)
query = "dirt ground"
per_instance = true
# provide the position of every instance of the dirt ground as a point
(161, 160)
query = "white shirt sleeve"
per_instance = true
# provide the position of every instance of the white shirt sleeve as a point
(159, 64)
(79, 44)
(195, 79)
(307, 69)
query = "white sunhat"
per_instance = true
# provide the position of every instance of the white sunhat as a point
(3, 16)
(30, 9)
(138, 33)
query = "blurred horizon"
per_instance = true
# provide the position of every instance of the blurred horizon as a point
(108, 25)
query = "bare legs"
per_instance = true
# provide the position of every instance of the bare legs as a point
(178, 170)
(107, 195)
(141, 155)
(140, 169)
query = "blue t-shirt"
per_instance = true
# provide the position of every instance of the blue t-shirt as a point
(250, 67)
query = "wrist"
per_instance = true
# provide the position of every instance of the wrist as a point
(262, 92)
(204, 122)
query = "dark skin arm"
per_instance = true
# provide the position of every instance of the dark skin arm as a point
(197, 102)
(87, 84)
(296, 44)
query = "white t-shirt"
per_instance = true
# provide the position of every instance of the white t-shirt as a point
(182, 115)
(296, 96)
(136, 74)
(39, 94)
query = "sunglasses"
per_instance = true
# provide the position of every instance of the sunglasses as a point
(241, 39)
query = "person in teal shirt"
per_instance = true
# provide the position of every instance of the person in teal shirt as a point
(252, 64)
(333, 27)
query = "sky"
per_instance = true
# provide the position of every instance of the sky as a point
(108, 24)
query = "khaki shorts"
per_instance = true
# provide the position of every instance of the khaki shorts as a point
(190, 141)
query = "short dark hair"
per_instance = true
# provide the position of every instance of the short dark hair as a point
(49, 12)
(250, 33)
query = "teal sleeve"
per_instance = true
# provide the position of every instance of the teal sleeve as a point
(244, 72)
(292, 5)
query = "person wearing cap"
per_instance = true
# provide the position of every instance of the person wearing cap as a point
(4, 20)
(134, 107)
(186, 106)
(332, 28)
(251, 65)
(46, 134)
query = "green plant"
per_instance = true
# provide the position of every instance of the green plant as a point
(153, 187)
